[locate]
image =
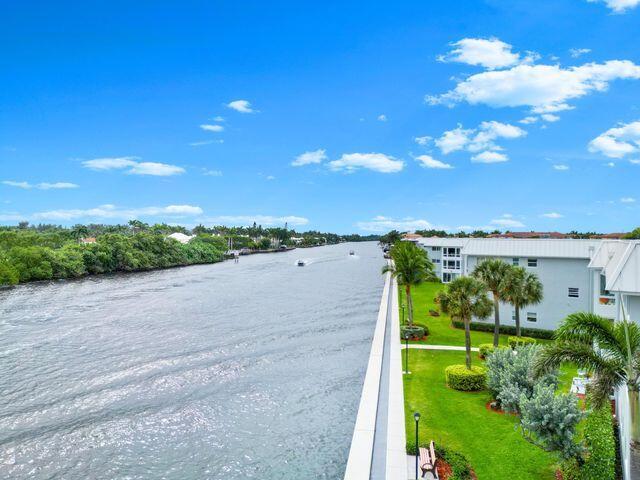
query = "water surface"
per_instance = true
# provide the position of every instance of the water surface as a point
(225, 371)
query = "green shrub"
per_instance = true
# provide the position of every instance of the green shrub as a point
(460, 467)
(600, 462)
(571, 470)
(520, 341)
(506, 329)
(459, 377)
(416, 331)
(486, 349)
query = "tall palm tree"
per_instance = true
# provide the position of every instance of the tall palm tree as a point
(464, 298)
(521, 289)
(610, 351)
(493, 272)
(411, 266)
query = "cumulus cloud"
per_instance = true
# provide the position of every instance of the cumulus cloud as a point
(378, 162)
(577, 52)
(490, 53)
(384, 224)
(41, 186)
(382, 118)
(308, 158)
(205, 142)
(561, 167)
(490, 157)
(507, 221)
(481, 139)
(618, 142)
(113, 212)
(428, 161)
(423, 141)
(542, 88)
(628, 200)
(211, 173)
(212, 128)
(618, 6)
(552, 215)
(132, 166)
(242, 106)
(265, 220)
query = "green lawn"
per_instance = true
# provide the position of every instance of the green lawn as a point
(440, 330)
(460, 420)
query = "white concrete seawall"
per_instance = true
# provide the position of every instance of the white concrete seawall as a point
(381, 410)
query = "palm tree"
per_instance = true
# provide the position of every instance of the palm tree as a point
(493, 272)
(610, 351)
(521, 289)
(411, 266)
(465, 297)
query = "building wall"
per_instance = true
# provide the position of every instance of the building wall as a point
(633, 307)
(556, 275)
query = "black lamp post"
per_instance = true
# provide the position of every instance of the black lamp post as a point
(416, 417)
(403, 305)
(406, 352)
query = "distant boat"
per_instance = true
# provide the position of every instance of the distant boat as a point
(351, 252)
(300, 263)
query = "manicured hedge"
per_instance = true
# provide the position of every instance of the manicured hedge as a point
(520, 341)
(459, 377)
(600, 462)
(416, 331)
(506, 329)
(486, 349)
(460, 466)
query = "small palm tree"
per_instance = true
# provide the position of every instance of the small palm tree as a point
(464, 298)
(493, 272)
(521, 289)
(411, 266)
(610, 351)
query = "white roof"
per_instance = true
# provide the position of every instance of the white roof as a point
(539, 247)
(442, 242)
(608, 256)
(181, 237)
(626, 274)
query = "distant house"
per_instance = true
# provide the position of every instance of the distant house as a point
(88, 240)
(411, 237)
(529, 235)
(181, 237)
(297, 240)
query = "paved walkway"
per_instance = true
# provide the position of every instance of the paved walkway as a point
(420, 346)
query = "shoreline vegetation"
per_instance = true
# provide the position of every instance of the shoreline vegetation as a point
(52, 252)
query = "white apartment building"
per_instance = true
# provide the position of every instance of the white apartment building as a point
(577, 275)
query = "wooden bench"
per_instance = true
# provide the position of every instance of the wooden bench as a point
(428, 460)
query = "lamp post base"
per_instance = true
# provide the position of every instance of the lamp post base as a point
(406, 373)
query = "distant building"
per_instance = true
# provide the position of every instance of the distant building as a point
(181, 237)
(411, 237)
(88, 240)
(529, 235)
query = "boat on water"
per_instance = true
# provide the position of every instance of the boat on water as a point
(351, 252)
(300, 263)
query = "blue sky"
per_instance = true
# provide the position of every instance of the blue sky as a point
(340, 116)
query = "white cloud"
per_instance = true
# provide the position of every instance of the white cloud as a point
(577, 52)
(41, 186)
(242, 106)
(378, 162)
(635, 161)
(490, 157)
(422, 140)
(212, 128)
(480, 139)
(382, 117)
(560, 167)
(218, 118)
(113, 212)
(205, 142)
(133, 166)
(549, 117)
(628, 200)
(507, 221)
(270, 177)
(23, 185)
(212, 173)
(553, 215)
(529, 120)
(619, 141)
(428, 161)
(311, 157)
(384, 224)
(489, 53)
(618, 6)
(609, 164)
(265, 220)
(543, 88)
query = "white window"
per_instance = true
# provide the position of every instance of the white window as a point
(436, 260)
(448, 277)
(452, 264)
(515, 261)
(574, 292)
(532, 317)
(435, 249)
(513, 315)
(532, 262)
